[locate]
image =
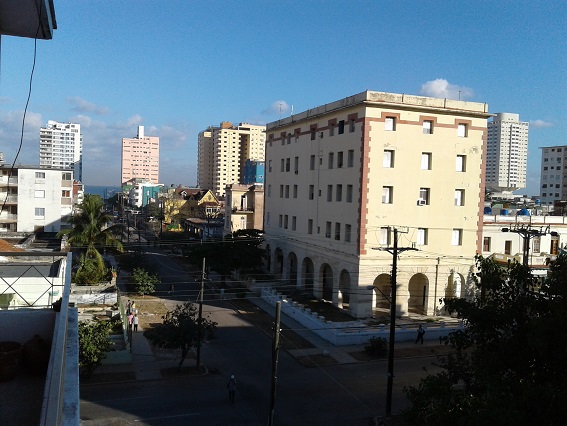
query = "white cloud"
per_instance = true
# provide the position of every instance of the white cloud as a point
(441, 88)
(279, 107)
(81, 105)
(541, 123)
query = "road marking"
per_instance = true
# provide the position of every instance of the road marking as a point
(166, 417)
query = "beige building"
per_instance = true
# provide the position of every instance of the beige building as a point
(223, 151)
(140, 157)
(244, 208)
(342, 176)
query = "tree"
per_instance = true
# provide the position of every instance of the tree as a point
(90, 233)
(145, 283)
(180, 329)
(93, 345)
(507, 366)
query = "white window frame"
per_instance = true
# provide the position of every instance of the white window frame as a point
(390, 124)
(385, 236)
(461, 163)
(39, 213)
(459, 197)
(462, 130)
(387, 194)
(388, 160)
(457, 237)
(427, 127)
(426, 161)
(422, 236)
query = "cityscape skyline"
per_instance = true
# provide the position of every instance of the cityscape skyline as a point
(179, 74)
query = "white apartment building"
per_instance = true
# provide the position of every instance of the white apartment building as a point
(140, 157)
(506, 153)
(61, 147)
(223, 151)
(553, 178)
(340, 177)
(35, 199)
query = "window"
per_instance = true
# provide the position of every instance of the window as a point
(39, 193)
(312, 162)
(311, 192)
(288, 138)
(329, 192)
(66, 194)
(294, 191)
(387, 194)
(536, 245)
(328, 230)
(268, 218)
(349, 193)
(508, 247)
(40, 175)
(462, 130)
(293, 222)
(457, 237)
(425, 161)
(309, 226)
(331, 160)
(287, 164)
(332, 130)
(285, 220)
(351, 126)
(459, 197)
(270, 165)
(339, 159)
(350, 158)
(39, 213)
(424, 195)
(390, 124)
(337, 231)
(422, 236)
(339, 193)
(341, 127)
(385, 236)
(281, 191)
(313, 133)
(296, 164)
(347, 233)
(65, 176)
(486, 244)
(461, 164)
(282, 165)
(269, 190)
(427, 127)
(287, 191)
(388, 160)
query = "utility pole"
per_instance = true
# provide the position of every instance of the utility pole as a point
(527, 233)
(394, 251)
(275, 355)
(200, 320)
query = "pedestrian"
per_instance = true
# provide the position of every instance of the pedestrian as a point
(420, 333)
(135, 320)
(231, 385)
(172, 289)
(130, 319)
(133, 307)
(128, 307)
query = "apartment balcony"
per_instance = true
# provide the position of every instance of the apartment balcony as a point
(8, 218)
(242, 210)
(11, 199)
(11, 181)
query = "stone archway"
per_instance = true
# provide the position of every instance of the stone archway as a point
(307, 275)
(344, 290)
(292, 269)
(418, 290)
(382, 291)
(454, 286)
(278, 262)
(326, 282)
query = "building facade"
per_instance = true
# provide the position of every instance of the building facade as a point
(61, 147)
(223, 151)
(244, 208)
(506, 153)
(36, 199)
(553, 178)
(140, 157)
(339, 179)
(253, 172)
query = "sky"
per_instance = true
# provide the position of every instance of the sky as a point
(177, 67)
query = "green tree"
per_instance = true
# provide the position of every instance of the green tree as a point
(180, 329)
(94, 343)
(91, 233)
(145, 282)
(508, 364)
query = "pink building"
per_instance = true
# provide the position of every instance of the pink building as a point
(140, 157)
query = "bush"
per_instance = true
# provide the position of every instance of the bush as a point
(376, 347)
(144, 282)
(93, 345)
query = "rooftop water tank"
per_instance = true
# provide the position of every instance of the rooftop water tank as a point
(504, 212)
(523, 212)
(487, 210)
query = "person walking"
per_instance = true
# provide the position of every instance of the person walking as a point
(135, 320)
(130, 319)
(128, 307)
(420, 333)
(231, 385)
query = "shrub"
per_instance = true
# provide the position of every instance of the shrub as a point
(376, 347)
(144, 282)
(93, 345)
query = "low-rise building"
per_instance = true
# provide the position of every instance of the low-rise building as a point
(244, 208)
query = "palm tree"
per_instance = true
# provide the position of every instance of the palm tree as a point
(90, 232)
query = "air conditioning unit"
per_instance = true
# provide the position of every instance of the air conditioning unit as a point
(421, 202)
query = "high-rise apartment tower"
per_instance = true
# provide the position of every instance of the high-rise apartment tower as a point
(553, 179)
(140, 157)
(61, 147)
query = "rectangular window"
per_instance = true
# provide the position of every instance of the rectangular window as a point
(424, 196)
(337, 231)
(385, 236)
(350, 158)
(421, 236)
(461, 164)
(351, 126)
(388, 160)
(312, 162)
(281, 191)
(390, 124)
(309, 226)
(294, 191)
(39, 213)
(486, 244)
(39, 193)
(349, 193)
(40, 175)
(66, 194)
(269, 190)
(285, 220)
(339, 193)
(339, 159)
(328, 230)
(288, 138)
(425, 161)
(508, 247)
(462, 130)
(296, 165)
(329, 192)
(293, 222)
(536, 248)
(347, 233)
(427, 127)
(313, 133)
(332, 130)
(341, 127)
(387, 194)
(282, 165)
(311, 192)
(65, 176)
(287, 164)
(459, 197)
(270, 165)
(457, 237)
(287, 191)
(331, 160)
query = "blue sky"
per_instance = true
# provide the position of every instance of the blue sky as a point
(178, 66)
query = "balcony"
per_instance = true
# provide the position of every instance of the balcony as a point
(5, 181)
(11, 199)
(8, 218)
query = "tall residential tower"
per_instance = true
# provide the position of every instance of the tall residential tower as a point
(140, 157)
(553, 176)
(61, 147)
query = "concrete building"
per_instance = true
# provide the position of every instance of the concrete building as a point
(140, 157)
(61, 147)
(506, 153)
(143, 193)
(553, 178)
(35, 199)
(340, 177)
(244, 208)
(223, 151)
(253, 172)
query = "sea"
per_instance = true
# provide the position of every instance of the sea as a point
(104, 191)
